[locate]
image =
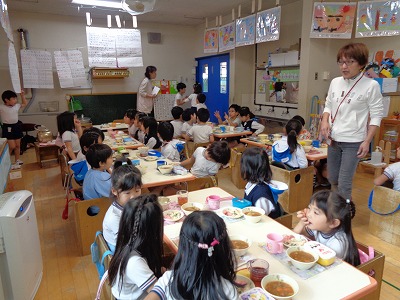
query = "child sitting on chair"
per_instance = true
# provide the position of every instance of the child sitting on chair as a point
(170, 147)
(207, 161)
(189, 116)
(201, 99)
(176, 112)
(304, 133)
(392, 172)
(202, 132)
(129, 119)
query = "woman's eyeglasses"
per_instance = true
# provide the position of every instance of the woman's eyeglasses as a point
(346, 62)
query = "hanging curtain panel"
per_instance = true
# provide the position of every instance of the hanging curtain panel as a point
(211, 40)
(268, 25)
(333, 20)
(227, 37)
(378, 18)
(245, 31)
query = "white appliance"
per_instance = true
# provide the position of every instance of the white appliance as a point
(21, 265)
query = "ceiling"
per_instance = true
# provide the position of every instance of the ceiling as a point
(180, 12)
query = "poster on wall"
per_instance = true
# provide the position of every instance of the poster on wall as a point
(211, 40)
(13, 66)
(268, 25)
(37, 69)
(378, 18)
(163, 104)
(5, 21)
(70, 69)
(245, 31)
(227, 37)
(333, 20)
(128, 45)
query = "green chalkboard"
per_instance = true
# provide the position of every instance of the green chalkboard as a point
(104, 108)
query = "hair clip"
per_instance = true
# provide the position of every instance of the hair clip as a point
(124, 163)
(348, 201)
(210, 248)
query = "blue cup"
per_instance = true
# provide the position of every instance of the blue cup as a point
(161, 163)
(135, 162)
(223, 128)
(316, 143)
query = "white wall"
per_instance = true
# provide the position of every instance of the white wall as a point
(173, 57)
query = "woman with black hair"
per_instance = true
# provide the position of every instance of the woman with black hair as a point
(145, 101)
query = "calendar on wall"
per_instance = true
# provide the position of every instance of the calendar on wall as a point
(162, 107)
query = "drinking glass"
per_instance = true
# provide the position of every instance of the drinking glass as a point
(182, 197)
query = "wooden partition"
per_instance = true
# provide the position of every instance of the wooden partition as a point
(300, 183)
(86, 226)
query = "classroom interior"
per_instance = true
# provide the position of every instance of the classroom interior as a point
(67, 274)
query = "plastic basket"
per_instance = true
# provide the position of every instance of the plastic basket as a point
(48, 106)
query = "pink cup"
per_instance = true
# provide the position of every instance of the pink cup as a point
(274, 243)
(213, 201)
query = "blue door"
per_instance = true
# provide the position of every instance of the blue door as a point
(213, 74)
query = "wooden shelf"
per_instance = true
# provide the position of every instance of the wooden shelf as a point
(109, 73)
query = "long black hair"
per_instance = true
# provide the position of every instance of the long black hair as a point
(245, 111)
(65, 122)
(293, 128)
(334, 207)
(254, 166)
(151, 123)
(198, 272)
(140, 231)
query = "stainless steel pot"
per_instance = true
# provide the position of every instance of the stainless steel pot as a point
(43, 134)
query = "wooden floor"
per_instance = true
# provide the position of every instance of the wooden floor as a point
(67, 275)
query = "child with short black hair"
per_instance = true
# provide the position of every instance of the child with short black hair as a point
(197, 89)
(126, 183)
(180, 99)
(95, 130)
(129, 119)
(70, 130)
(170, 147)
(11, 127)
(89, 138)
(232, 118)
(177, 112)
(201, 99)
(206, 250)
(189, 116)
(202, 132)
(391, 172)
(249, 123)
(207, 161)
(287, 150)
(97, 181)
(255, 169)
(149, 127)
(327, 220)
(137, 261)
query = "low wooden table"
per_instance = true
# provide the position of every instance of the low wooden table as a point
(45, 153)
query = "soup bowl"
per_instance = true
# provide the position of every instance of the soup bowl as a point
(164, 202)
(190, 207)
(240, 244)
(301, 257)
(272, 282)
(253, 214)
(165, 169)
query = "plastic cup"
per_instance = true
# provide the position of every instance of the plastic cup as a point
(213, 201)
(258, 269)
(182, 197)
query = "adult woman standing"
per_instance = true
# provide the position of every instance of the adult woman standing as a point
(145, 102)
(353, 111)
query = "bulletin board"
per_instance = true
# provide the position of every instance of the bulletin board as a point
(104, 108)
(162, 107)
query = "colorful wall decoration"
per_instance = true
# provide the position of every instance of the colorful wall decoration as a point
(333, 20)
(378, 18)
(268, 25)
(245, 31)
(211, 40)
(227, 37)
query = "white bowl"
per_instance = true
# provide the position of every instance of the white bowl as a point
(307, 148)
(284, 278)
(240, 252)
(278, 186)
(194, 205)
(302, 265)
(165, 169)
(251, 218)
(164, 202)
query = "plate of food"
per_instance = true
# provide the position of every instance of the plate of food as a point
(255, 294)
(232, 212)
(293, 240)
(173, 215)
(150, 158)
(243, 283)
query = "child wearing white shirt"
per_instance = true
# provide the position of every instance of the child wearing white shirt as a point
(176, 112)
(201, 99)
(170, 147)
(392, 172)
(201, 133)
(180, 99)
(189, 116)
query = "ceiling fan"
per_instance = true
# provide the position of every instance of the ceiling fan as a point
(133, 7)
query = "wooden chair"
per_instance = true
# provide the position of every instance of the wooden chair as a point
(300, 183)
(202, 183)
(86, 225)
(374, 268)
(190, 147)
(386, 147)
(285, 220)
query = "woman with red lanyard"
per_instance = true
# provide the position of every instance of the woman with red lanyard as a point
(353, 111)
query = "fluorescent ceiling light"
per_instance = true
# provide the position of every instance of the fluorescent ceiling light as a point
(118, 20)
(88, 19)
(134, 22)
(109, 21)
(102, 3)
